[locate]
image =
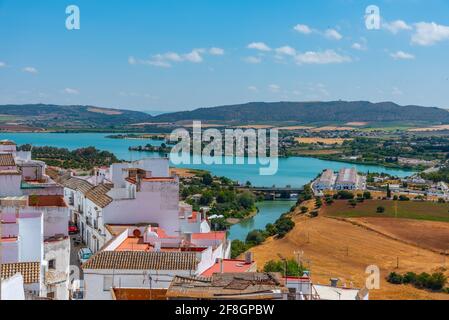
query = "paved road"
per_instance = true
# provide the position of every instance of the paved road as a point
(74, 255)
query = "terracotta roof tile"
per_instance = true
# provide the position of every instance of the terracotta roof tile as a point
(76, 184)
(98, 195)
(140, 260)
(29, 270)
(7, 160)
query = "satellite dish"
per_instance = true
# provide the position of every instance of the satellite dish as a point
(137, 233)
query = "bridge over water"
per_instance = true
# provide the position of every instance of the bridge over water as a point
(274, 192)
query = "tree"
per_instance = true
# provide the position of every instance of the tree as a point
(345, 195)
(246, 200)
(388, 192)
(237, 248)
(207, 179)
(304, 210)
(206, 198)
(293, 268)
(367, 195)
(380, 209)
(318, 203)
(255, 237)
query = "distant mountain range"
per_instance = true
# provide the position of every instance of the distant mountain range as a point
(70, 117)
(88, 117)
(309, 112)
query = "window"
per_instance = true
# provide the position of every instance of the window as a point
(107, 283)
(52, 264)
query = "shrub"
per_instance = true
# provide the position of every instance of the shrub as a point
(293, 268)
(345, 195)
(380, 209)
(255, 237)
(367, 195)
(304, 210)
(395, 278)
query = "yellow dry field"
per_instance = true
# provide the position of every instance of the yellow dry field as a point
(356, 124)
(109, 112)
(315, 140)
(331, 128)
(255, 126)
(318, 152)
(182, 173)
(333, 248)
(292, 128)
(433, 128)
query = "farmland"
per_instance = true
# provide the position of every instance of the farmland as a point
(416, 210)
(334, 248)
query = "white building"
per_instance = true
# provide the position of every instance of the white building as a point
(140, 192)
(326, 181)
(36, 225)
(147, 257)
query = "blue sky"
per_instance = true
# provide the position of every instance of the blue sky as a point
(171, 55)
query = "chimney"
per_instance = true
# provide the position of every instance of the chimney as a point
(334, 282)
(249, 257)
(221, 266)
(157, 246)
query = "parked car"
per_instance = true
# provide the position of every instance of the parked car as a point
(73, 229)
(84, 254)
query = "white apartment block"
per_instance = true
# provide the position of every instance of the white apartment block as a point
(35, 221)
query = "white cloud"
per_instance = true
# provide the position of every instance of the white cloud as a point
(274, 88)
(358, 46)
(401, 55)
(302, 28)
(323, 57)
(216, 51)
(70, 91)
(194, 56)
(253, 88)
(396, 26)
(165, 60)
(259, 46)
(427, 34)
(30, 70)
(286, 50)
(253, 60)
(2, 64)
(333, 34)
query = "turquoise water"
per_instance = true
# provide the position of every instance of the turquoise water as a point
(269, 211)
(293, 171)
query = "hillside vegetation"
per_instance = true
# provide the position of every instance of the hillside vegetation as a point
(310, 112)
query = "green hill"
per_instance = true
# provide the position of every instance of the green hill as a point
(70, 117)
(310, 112)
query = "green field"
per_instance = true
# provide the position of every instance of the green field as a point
(405, 209)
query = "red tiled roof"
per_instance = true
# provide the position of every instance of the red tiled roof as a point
(229, 266)
(7, 160)
(29, 270)
(98, 195)
(218, 235)
(47, 201)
